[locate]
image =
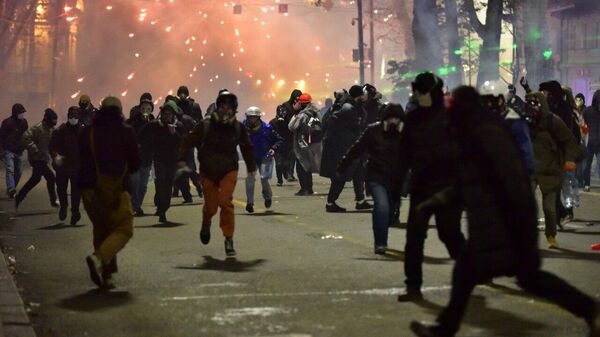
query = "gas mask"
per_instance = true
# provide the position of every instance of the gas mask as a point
(533, 108)
(21, 116)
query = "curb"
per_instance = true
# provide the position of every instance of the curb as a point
(14, 319)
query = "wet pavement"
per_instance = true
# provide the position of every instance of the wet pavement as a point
(299, 272)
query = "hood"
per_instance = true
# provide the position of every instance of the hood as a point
(295, 94)
(545, 109)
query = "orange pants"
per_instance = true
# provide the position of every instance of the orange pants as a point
(220, 194)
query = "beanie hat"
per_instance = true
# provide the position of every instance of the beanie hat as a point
(183, 90)
(305, 98)
(356, 91)
(392, 110)
(18, 108)
(73, 109)
(172, 106)
(85, 99)
(49, 114)
(552, 86)
(147, 98)
(111, 101)
(427, 82)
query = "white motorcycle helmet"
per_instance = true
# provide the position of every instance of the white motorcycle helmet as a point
(254, 111)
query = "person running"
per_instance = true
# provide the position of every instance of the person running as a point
(381, 141)
(216, 138)
(493, 183)
(266, 142)
(64, 148)
(37, 142)
(11, 147)
(109, 154)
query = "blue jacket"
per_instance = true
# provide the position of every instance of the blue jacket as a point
(263, 140)
(520, 131)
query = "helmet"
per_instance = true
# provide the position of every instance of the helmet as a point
(227, 97)
(254, 111)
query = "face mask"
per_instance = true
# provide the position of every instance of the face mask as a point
(424, 100)
(21, 116)
(73, 121)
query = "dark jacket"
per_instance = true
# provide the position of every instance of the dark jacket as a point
(115, 147)
(591, 115)
(137, 123)
(280, 123)
(190, 108)
(494, 185)
(383, 149)
(263, 140)
(65, 142)
(343, 129)
(37, 142)
(11, 134)
(160, 143)
(553, 145)
(217, 151)
(372, 108)
(428, 150)
(87, 115)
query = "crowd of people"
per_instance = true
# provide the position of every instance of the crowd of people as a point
(454, 152)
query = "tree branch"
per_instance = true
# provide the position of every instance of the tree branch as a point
(469, 7)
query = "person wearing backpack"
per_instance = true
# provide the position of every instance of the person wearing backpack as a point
(109, 154)
(11, 147)
(266, 142)
(216, 139)
(343, 129)
(308, 143)
(285, 159)
(555, 151)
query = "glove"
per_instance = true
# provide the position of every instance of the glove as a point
(570, 166)
(525, 84)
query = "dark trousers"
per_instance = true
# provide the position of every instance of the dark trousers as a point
(290, 159)
(165, 173)
(282, 165)
(537, 282)
(592, 150)
(40, 169)
(447, 220)
(62, 184)
(337, 186)
(304, 177)
(183, 182)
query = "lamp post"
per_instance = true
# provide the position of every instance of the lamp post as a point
(361, 44)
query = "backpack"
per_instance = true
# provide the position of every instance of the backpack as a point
(107, 192)
(315, 130)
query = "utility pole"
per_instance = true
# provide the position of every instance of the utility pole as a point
(361, 43)
(372, 38)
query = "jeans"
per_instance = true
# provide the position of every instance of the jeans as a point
(165, 175)
(139, 186)
(40, 169)
(337, 186)
(593, 150)
(266, 171)
(12, 163)
(62, 184)
(386, 203)
(304, 178)
(447, 221)
(537, 282)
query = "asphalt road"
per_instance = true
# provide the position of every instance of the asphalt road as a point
(299, 272)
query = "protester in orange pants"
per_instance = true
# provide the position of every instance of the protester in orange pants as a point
(216, 138)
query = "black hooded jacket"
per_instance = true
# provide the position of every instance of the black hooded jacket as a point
(283, 116)
(11, 133)
(591, 115)
(115, 146)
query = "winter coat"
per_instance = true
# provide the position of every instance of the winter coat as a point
(343, 129)
(37, 142)
(520, 131)
(372, 108)
(591, 115)
(160, 143)
(65, 142)
(494, 185)
(190, 108)
(308, 153)
(11, 134)
(263, 139)
(217, 150)
(280, 124)
(87, 115)
(115, 147)
(383, 149)
(553, 145)
(145, 152)
(428, 150)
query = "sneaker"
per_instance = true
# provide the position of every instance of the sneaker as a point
(552, 243)
(268, 203)
(302, 193)
(54, 203)
(380, 250)
(280, 183)
(564, 221)
(95, 267)
(410, 296)
(205, 234)
(586, 189)
(138, 212)
(229, 251)
(162, 218)
(334, 208)
(250, 208)
(109, 283)
(363, 205)
(62, 213)
(11, 194)
(75, 217)
(423, 329)
(188, 201)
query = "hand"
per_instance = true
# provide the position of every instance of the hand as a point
(570, 166)
(523, 81)
(271, 153)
